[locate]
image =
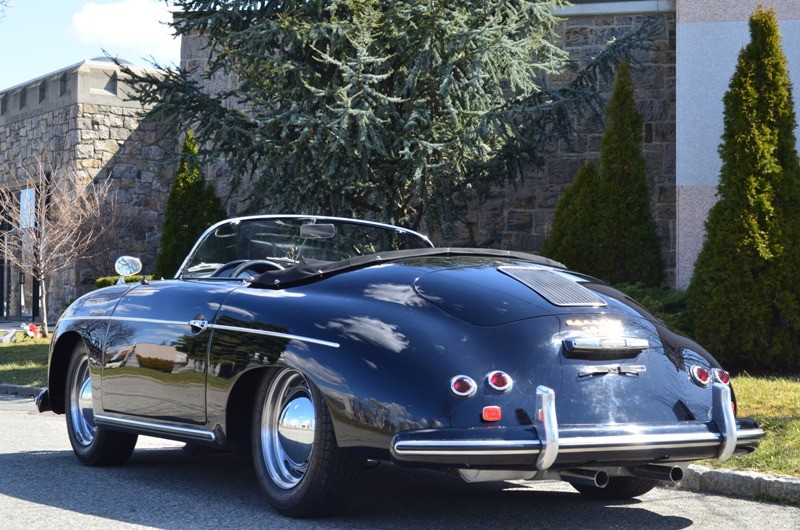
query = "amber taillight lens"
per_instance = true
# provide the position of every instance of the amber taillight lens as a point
(492, 413)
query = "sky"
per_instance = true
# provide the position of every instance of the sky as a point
(41, 36)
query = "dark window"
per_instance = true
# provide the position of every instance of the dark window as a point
(4, 104)
(62, 84)
(23, 98)
(42, 91)
(111, 85)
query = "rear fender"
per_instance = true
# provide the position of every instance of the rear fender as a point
(60, 355)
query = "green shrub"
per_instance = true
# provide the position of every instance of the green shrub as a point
(154, 363)
(572, 240)
(192, 206)
(745, 293)
(603, 224)
(108, 281)
(665, 303)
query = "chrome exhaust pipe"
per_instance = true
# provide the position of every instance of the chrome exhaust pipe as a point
(663, 473)
(585, 477)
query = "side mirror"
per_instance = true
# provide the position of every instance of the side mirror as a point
(127, 266)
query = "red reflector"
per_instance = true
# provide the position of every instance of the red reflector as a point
(492, 413)
(499, 381)
(722, 376)
(463, 386)
(540, 415)
(701, 375)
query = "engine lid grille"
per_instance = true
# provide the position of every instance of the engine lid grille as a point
(554, 287)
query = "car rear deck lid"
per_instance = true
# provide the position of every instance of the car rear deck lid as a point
(554, 287)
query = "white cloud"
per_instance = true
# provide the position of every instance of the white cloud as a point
(130, 29)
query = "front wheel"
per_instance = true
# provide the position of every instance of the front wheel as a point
(618, 488)
(92, 444)
(298, 464)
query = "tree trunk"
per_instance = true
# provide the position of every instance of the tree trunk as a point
(45, 328)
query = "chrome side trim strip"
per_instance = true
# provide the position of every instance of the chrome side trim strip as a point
(213, 326)
(546, 425)
(130, 319)
(186, 432)
(722, 414)
(276, 334)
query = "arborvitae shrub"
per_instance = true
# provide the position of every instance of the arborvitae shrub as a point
(192, 206)
(609, 213)
(572, 239)
(745, 293)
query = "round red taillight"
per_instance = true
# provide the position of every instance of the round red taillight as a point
(701, 375)
(499, 381)
(722, 376)
(463, 386)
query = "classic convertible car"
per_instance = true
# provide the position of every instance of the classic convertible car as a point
(320, 344)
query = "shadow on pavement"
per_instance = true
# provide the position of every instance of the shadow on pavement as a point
(168, 488)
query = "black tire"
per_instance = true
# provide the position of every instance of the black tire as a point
(298, 464)
(92, 444)
(618, 488)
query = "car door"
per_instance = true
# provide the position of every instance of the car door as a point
(155, 359)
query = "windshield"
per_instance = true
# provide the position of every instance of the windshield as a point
(285, 241)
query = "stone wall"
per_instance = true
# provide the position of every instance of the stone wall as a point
(519, 215)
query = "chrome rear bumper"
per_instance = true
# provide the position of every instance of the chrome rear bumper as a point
(545, 445)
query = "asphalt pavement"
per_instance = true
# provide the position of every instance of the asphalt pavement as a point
(43, 485)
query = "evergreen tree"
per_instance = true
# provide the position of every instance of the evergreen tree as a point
(192, 206)
(572, 240)
(606, 227)
(628, 242)
(367, 108)
(745, 293)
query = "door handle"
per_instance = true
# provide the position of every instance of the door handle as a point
(198, 326)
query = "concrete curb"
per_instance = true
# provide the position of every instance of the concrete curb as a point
(745, 484)
(20, 390)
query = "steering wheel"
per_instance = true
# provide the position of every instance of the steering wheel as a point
(225, 270)
(254, 267)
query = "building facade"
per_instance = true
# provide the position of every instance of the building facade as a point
(79, 119)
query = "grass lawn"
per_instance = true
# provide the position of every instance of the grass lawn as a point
(24, 362)
(773, 402)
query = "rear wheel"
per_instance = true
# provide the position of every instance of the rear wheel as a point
(298, 464)
(618, 488)
(92, 444)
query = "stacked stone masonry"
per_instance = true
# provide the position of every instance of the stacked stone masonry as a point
(98, 135)
(520, 215)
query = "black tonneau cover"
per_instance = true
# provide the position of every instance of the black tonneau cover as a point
(308, 270)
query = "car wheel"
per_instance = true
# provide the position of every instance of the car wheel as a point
(618, 488)
(92, 444)
(298, 464)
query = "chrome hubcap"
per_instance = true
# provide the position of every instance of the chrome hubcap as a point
(80, 404)
(288, 424)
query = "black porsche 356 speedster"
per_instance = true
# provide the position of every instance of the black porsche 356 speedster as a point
(319, 344)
